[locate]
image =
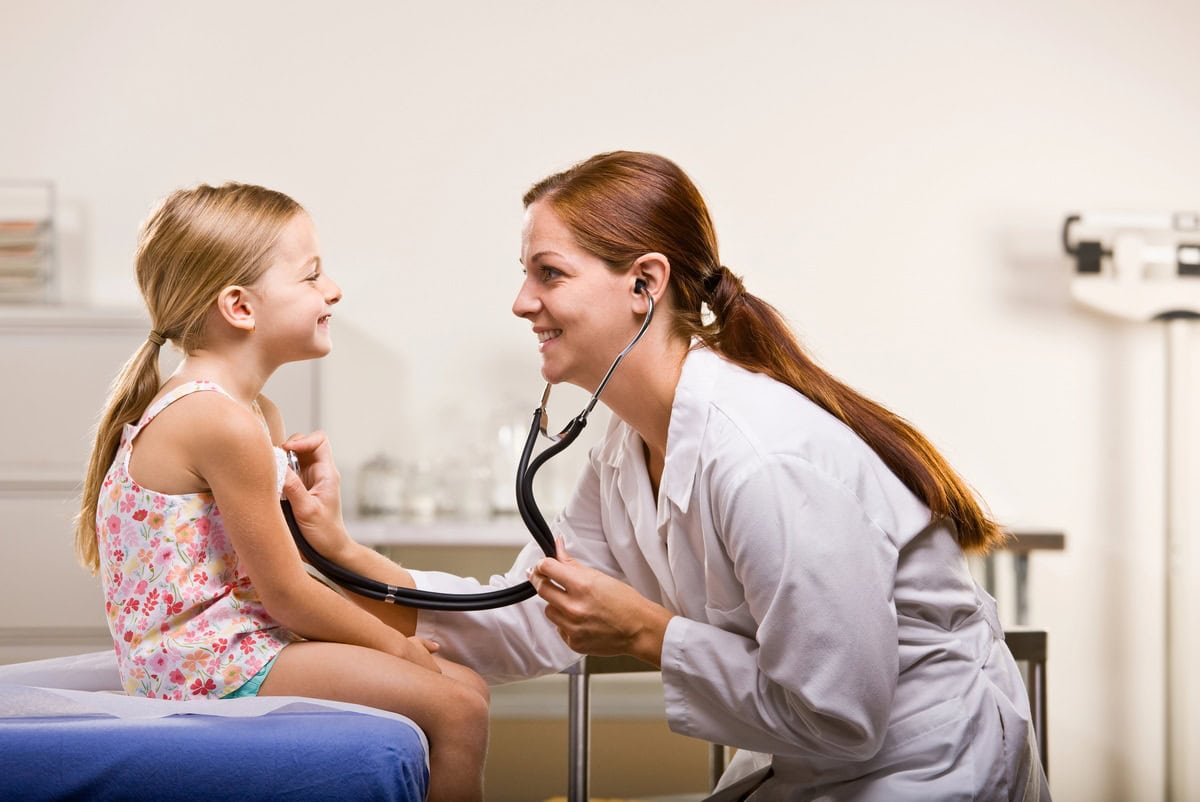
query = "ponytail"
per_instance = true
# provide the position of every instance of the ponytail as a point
(132, 391)
(622, 205)
(196, 242)
(750, 332)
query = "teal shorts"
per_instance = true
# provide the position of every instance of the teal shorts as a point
(250, 687)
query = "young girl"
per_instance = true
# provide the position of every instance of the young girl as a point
(205, 592)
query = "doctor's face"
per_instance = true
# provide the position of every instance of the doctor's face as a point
(578, 306)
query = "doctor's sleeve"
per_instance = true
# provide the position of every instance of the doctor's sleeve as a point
(819, 675)
(517, 642)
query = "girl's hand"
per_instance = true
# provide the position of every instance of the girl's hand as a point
(315, 495)
(420, 651)
(596, 614)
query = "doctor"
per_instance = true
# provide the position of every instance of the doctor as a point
(790, 553)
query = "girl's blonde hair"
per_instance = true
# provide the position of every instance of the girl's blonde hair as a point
(197, 242)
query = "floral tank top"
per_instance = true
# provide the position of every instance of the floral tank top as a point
(186, 623)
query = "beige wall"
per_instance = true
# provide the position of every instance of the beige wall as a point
(892, 175)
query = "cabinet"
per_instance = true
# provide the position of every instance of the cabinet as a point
(57, 364)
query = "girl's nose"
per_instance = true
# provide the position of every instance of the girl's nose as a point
(333, 292)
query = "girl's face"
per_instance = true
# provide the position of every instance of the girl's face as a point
(296, 295)
(579, 307)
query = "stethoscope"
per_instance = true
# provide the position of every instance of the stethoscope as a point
(526, 505)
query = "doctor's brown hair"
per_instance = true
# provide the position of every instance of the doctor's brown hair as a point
(624, 204)
(197, 242)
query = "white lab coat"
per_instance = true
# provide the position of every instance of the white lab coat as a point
(822, 619)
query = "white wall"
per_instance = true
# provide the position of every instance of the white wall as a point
(892, 175)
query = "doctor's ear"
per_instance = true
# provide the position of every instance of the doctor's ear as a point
(649, 276)
(236, 306)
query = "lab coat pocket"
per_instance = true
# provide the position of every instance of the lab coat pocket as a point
(923, 722)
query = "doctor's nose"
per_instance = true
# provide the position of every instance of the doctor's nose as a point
(526, 303)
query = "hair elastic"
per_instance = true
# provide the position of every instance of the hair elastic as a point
(155, 337)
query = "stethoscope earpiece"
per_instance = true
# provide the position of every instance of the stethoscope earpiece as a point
(639, 286)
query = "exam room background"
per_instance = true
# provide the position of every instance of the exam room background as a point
(892, 176)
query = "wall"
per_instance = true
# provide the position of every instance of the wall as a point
(892, 175)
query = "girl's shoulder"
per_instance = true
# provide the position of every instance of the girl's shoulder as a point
(272, 418)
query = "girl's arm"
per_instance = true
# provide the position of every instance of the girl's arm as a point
(233, 455)
(317, 506)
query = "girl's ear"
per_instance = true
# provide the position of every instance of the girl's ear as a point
(235, 304)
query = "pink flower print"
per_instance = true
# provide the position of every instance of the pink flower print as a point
(128, 636)
(142, 585)
(202, 526)
(233, 675)
(151, 602)
(140, 515)
(247, 644)
(203, 687)
(200, 577)
(113, 524)
(159, 503)
(131, 606)
(128, 503)
(134, 487)
(220, 645)
(118, 578)
(155, 521)
(177, 677)
(114, 492)
(145, 556)
(158, 662)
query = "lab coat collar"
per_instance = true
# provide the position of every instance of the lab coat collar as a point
(689, 417)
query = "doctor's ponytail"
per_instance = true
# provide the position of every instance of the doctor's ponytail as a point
(622, 205)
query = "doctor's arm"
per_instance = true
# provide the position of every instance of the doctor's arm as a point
(818, 674)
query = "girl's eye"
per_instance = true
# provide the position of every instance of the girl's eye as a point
(549, 273)
(313, 277)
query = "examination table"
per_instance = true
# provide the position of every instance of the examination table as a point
(67, 731)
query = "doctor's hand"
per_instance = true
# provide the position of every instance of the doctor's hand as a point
(596, 614)
(315, 494)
